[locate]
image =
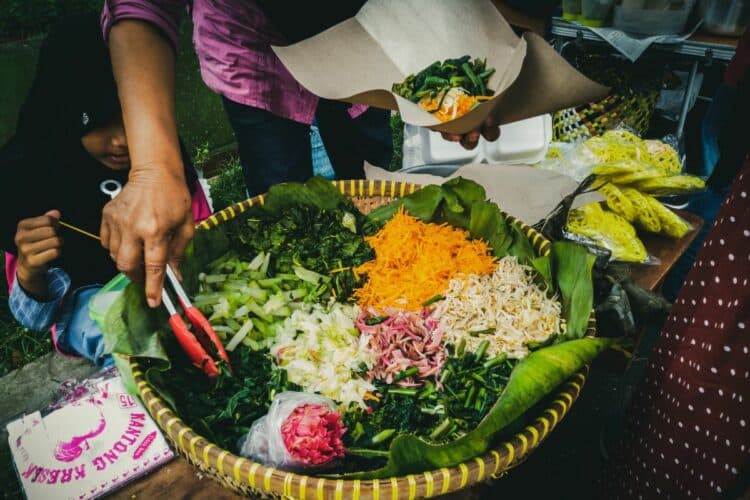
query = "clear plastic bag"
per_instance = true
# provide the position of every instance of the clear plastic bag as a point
(265, 442)
(593, 224)
(569, 159)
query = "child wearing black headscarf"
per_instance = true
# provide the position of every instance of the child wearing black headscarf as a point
(69, 141)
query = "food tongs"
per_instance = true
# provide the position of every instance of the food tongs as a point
(197, 344)
(202, 340)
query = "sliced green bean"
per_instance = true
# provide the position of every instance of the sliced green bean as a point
(383, 436)
(440, 429)
(482, 349)
(402, 391)
(410, 372)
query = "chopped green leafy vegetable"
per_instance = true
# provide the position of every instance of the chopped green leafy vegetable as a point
(222, 409)
(316, 245)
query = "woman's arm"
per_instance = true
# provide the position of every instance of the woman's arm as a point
(150, 222)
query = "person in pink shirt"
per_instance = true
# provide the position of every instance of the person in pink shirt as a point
(149, 224)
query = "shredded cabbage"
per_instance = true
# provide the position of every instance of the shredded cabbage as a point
(323, 352)
(504, 307)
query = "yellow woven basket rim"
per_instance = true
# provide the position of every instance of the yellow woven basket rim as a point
(242, 473)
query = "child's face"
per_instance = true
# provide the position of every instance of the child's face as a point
(109, 145)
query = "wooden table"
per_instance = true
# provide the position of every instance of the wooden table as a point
(667, 251)
(178, 479)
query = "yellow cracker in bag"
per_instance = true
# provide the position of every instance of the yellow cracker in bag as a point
(618, 202)
(672, 224)
(673, 184)
(646, 217)
(607, 230)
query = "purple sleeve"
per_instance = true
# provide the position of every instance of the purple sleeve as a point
(164, 14)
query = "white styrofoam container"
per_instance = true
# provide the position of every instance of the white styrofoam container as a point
(524, 141)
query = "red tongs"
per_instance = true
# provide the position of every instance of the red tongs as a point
(196, 344)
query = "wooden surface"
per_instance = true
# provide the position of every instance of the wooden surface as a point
(175, 480)
(178, 479)
(667, 251)
(721, 40)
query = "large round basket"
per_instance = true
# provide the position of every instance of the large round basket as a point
(252, 478)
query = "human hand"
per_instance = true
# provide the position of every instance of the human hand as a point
(148, 225)
(490, 130)
(38, 244)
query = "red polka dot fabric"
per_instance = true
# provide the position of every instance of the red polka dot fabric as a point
(687, 434)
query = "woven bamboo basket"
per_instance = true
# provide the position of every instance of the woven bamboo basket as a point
(254, 479)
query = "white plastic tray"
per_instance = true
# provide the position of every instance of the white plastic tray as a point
(525, 141)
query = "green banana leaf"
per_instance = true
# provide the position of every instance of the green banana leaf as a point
(487, 222)
(422, 204)
(532, 379)
(572, 265)
(315, 192)
(521, 248)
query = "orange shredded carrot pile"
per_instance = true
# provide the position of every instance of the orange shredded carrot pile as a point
(414, 261)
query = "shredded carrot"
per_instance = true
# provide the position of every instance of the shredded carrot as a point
(414, 261)
(463, 104)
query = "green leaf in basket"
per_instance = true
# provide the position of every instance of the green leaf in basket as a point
(460, 203)
(452, 203)
(422, 204)
(132, 328)
(467, 191)
(571, 270)
(206, 247)
(487, 222)
(316, 192)
(533, 378)
(521, 248)
(543, 266)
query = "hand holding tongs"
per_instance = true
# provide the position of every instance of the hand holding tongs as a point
(196, 345)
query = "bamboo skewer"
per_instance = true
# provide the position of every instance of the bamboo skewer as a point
(78, 230)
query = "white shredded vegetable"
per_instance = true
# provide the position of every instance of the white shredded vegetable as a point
(505, 307)
(321, 350)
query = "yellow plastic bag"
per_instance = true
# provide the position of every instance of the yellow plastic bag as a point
(620, 146)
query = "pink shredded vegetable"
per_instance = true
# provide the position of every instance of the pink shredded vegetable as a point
(404, 340)
(312, 434)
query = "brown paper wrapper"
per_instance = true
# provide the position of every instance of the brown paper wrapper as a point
(359, 60)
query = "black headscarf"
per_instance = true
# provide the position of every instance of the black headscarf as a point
(44, 165)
